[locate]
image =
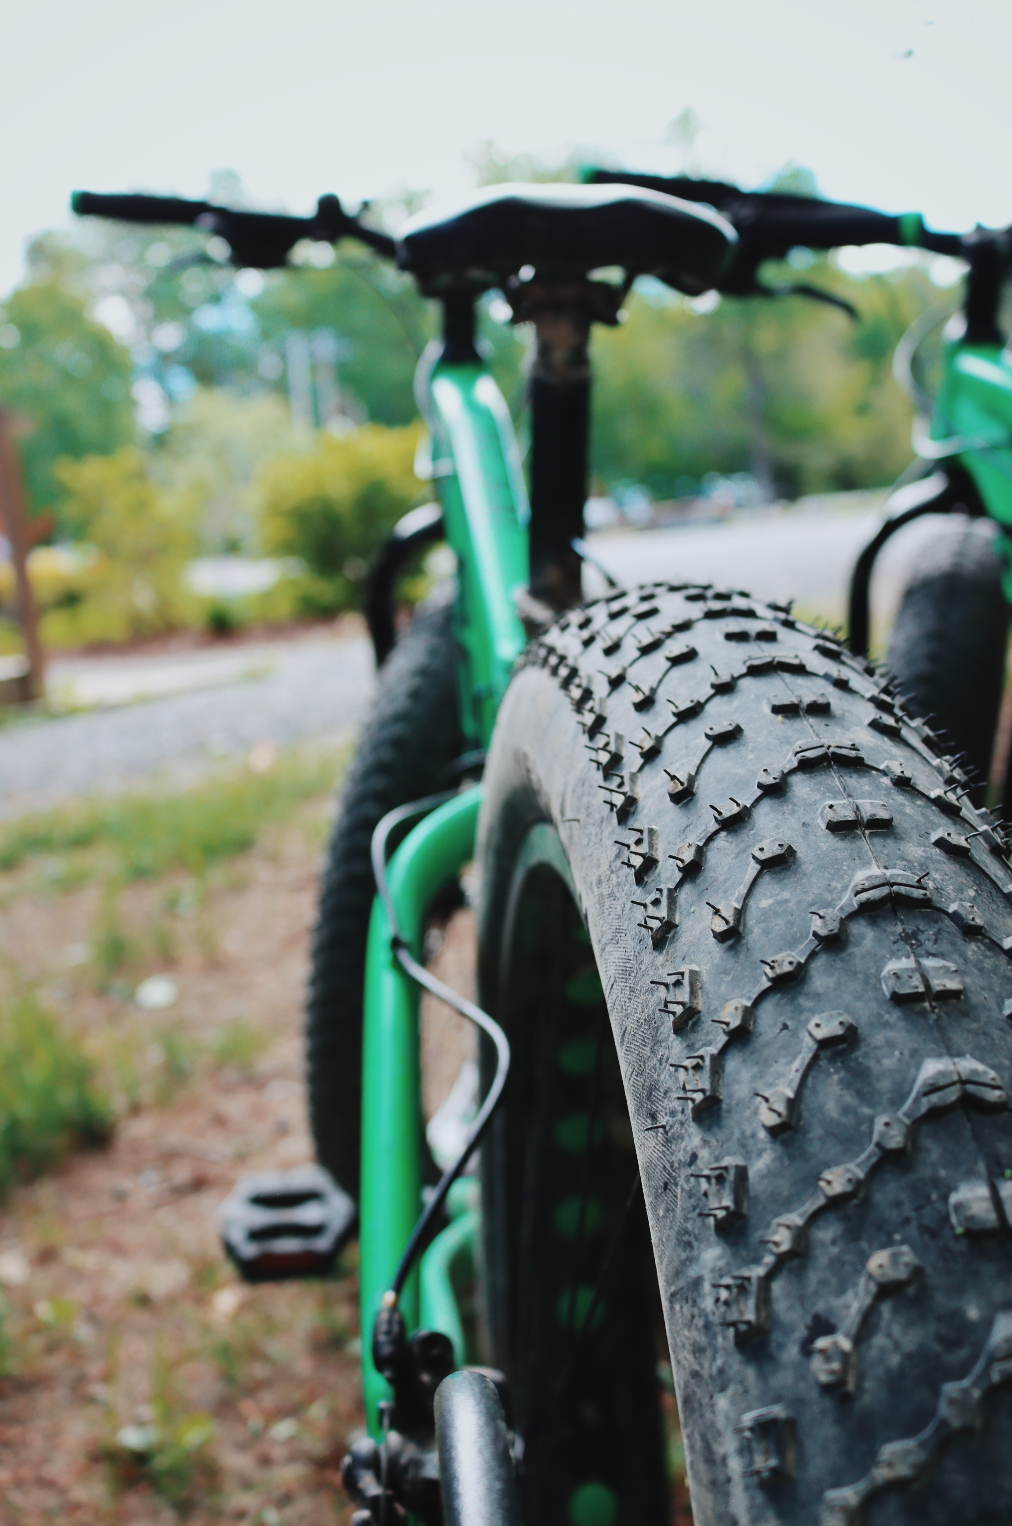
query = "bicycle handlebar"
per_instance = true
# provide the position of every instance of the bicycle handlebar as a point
(770, 223)
(262, 240)
(139, 209)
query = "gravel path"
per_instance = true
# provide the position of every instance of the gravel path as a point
(313, 690)
(805, 553)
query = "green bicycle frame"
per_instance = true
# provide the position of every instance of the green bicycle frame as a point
(972, 424)
(476, 465)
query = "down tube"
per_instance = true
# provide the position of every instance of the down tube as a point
(392, 1123)
(485, 510)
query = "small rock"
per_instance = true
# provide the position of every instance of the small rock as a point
(139, 1439)
(227, 1301)
(156, 992)
(284, 1430)
(14, 1269)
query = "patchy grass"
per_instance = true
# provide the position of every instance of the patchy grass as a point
(49, 1100)
(148, 834)
(63, 1079)
(114, 1260)
(238, 1045)
(172, 1452)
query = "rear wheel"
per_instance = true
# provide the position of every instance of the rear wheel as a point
(409, 739)
(947, 649)
(805, 984)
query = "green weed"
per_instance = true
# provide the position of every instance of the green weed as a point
(334, 1329)
(8, 1360)
(235, 1349)
(163, 942)
(153, 832)
(56, 1313)
(177, 1062)
(111, 946)
(172, 1452)
(239, 1045)
(48, 1096)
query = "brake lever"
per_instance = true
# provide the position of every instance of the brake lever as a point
(813, 293)
(744, 284)
(187, 261)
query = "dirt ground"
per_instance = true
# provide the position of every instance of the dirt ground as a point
(122, 1309)
(141, 1383)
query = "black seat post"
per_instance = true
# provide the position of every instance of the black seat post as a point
(560, 428)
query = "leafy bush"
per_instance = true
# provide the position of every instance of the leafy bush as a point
(48, 1098)
(140, 537)
(332, 505)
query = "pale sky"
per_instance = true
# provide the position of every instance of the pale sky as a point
(900, 105)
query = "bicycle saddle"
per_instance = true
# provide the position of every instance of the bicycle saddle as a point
(565, 231)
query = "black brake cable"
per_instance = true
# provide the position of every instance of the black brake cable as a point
(460, 1004)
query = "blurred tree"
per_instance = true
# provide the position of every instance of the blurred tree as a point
(68, 376)
(211, 453)
(375, 310)
(792, 391)
(780, 387)
(493, 166)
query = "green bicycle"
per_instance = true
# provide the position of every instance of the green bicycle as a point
(745, 1065)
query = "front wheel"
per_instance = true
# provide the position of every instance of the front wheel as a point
(800, 931)
(947, 648)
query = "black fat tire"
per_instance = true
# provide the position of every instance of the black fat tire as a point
(818, 1082)
(411, 735)
(947, 648)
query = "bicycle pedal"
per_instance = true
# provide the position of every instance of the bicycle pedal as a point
(277, 1225)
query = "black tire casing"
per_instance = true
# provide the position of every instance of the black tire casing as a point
(864, 974)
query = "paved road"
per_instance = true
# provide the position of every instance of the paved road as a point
(805, 553)
(286, 692)
(177, 713)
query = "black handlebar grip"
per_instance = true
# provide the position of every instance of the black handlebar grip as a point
(138, 209)
(769, 223)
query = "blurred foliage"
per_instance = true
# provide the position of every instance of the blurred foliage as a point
(48, 1098)
(67, 375)
(143, 536)
(491, 165)
(788, 390)
(331, 505)
(793, 391)
(173, 1453)
(216, 443)
(375, 311)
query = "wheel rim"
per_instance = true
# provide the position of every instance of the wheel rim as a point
(570, 1304)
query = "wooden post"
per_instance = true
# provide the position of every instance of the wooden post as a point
(15, 522)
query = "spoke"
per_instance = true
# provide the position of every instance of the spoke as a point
(595, 1099)
(574, 1356)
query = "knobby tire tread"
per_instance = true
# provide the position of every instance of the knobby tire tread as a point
(804, 950)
